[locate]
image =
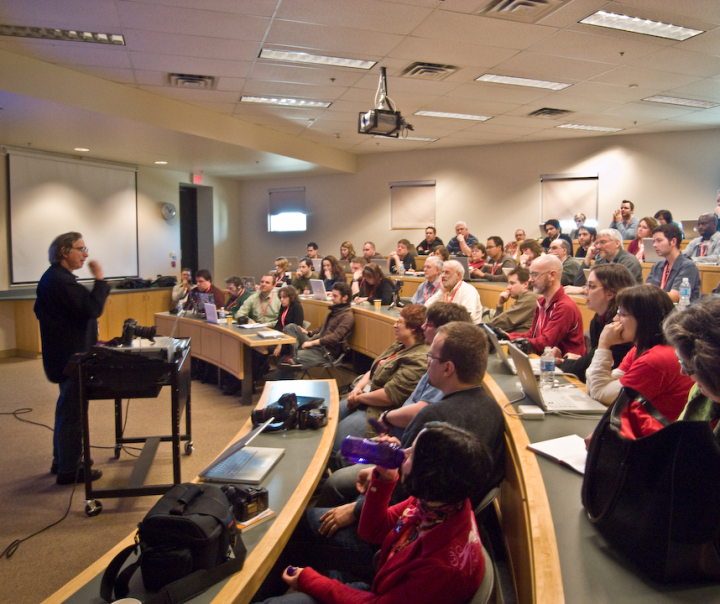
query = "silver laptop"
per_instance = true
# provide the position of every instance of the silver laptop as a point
(317, 264)
(555, 400)
(690, 228)
(650, 253)
(345, 265)
(506, 360)
(243, 464)
(318, 290)
(292, 263)
(211, 314)
(463, 260)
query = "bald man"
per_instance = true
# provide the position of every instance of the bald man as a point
(705, 249)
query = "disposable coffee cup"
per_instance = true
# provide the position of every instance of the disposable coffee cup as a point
(378, 304)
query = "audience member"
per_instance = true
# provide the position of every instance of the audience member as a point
(704, 249)
(237, 294)
(717, 207)
(357, 265)
(460, 245)
(586, 237)
(441, 252)
(331, 273)
(557, 321)
(519, 316)
(347, 251)
(623, 220)
(478, 258)
(668, 274)
(304, 273)
(369, 252)
(325, 345)
(603, 285)
(651, 367)
(282, 276)
(666, 217)
(512, 248)
(430, 242)
(563, 250)
(312, 251)
(428, 288)
(203, 285)
(264, 305)
(181, 289)
(454, 289)
(529, 251)
(609, 246)
(497, 260)
(644, 231)
(401, 258)
(579, 223)
(553, 231)
(374, 285)
(291, 313)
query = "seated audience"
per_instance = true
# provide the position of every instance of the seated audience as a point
(312, 251)
(430, 242)
(695, 334)
(304, 273)
(460, 245)
(357, 265)
(529, 251)
(585, 237)
(181, 289)
(420, 537)
(651, 367)
(623, 220)
(264, 305)
(347, 251)
(557, 321)
(512, 248)
(563, 250)
(203, 285)
(716, 211)
(369, 252)
(428, 288)
(603, 285)
(644, 231)
(704, 249)
(496, 261)
(666, 217)
(668, 274)
(282, 276)
(374, 285)
(392, 378)
(477, 259)
(325, 345)
(441, 252)
(331, 273)
(401, 258)
(454, 289)
(519, 316)
(579, 222)
(237, 294)
(609, 246)
(553, 231)
(291, 313)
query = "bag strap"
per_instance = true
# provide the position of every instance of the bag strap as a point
(110, 576)
(652, 411)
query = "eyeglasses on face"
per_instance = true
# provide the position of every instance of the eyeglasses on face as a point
(84, 250)
(685, 369)
(429, 357)
(536, 275)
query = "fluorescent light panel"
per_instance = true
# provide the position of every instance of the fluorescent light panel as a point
(513, 81)
(283, 102)
(304, 57)
(407, 138)
(671, 100)
(591, 128)
(457, 116)
(82, 149)
(70, 35)
(640, 26)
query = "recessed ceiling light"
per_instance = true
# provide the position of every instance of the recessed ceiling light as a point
(458, 116)
(161, 163)
(671, 100)
(407, 138)
(304, 57)
(640, 26)
(591, 128)
(276, 100)
(70, 35)
(83, 149)
(501, 79)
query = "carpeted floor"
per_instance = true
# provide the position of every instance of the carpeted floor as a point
(31, 500)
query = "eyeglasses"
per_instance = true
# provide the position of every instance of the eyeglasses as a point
(592, 286)
(683, 366)
(429, 357)
(623, 313)
(84, 250)
(536, 275)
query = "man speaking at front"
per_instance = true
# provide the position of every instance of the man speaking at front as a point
(68, 314)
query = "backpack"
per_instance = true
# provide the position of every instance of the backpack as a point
(184, 545)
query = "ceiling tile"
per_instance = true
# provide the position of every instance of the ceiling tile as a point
(190, 95)
(485, 91)
(697, 9)
(594, 47)
(122, 76)
(704, 89)
(650, 110)
(300, 91)
(283, 72)
(88, 15)
(681, 61)
(192, 65)
(260, 8)
(191, 46)
(558, 69)
(645, 78)
(609, 92)
(450, 52)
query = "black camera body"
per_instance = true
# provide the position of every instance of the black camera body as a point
(131, 329)
(247, 502)
(290, 413)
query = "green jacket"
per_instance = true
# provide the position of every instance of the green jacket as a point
(265, 312)
(400, 374)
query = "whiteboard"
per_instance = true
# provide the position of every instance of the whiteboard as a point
(50, 196)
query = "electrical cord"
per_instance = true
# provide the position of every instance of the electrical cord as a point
(506, 405)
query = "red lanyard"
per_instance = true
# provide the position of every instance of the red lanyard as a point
(282, 319)
(264, 309)
(433, 291)
(494, 268)
(704, 248)
(455, 291)
(666, 274)
(279, 279)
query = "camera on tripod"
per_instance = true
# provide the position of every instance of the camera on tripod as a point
(131, 329)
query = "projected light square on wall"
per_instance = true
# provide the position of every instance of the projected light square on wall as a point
(287, 210)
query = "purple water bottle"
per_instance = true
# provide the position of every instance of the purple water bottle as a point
(364, 450)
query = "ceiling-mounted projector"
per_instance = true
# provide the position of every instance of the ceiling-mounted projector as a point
(384, 120)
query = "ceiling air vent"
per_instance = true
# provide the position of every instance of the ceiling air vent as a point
(550, 112)
(428, 71)
(525, 11)
(198, 82)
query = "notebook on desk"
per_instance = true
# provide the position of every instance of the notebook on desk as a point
(554, 400)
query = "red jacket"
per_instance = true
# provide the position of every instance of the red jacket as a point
(557, 324)
(444, 565)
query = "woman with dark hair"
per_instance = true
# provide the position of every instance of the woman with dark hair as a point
(431, 550)
(347, 251)
(603, 285)
(282, 277)
(478, 257)
(530, 249)
(695, 334)
(651, 366)
(291, 313)
(374, 285)
(442, 252)
(331, 272)
(644, 231)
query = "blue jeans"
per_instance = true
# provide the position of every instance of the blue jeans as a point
(350, 423)
(67, 438)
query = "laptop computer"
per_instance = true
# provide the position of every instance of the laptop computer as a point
(243, 464)
(249, 283)
(505, 359)
(292, 263)
(650, 253)
(211, 315)
(463, 260)
(345, 265)
(555, 400)
(317, 264)
(690, 228)
(318, 290)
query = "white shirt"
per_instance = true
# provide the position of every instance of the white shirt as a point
(465, 295)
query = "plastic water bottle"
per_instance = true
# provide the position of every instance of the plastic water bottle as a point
(547, 368)
(684, 294)
(364, 450)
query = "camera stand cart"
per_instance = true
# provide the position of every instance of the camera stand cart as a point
(132, 372)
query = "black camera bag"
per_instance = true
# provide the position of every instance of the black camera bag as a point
(184, 543)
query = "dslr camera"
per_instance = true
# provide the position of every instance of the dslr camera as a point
(131, 329)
